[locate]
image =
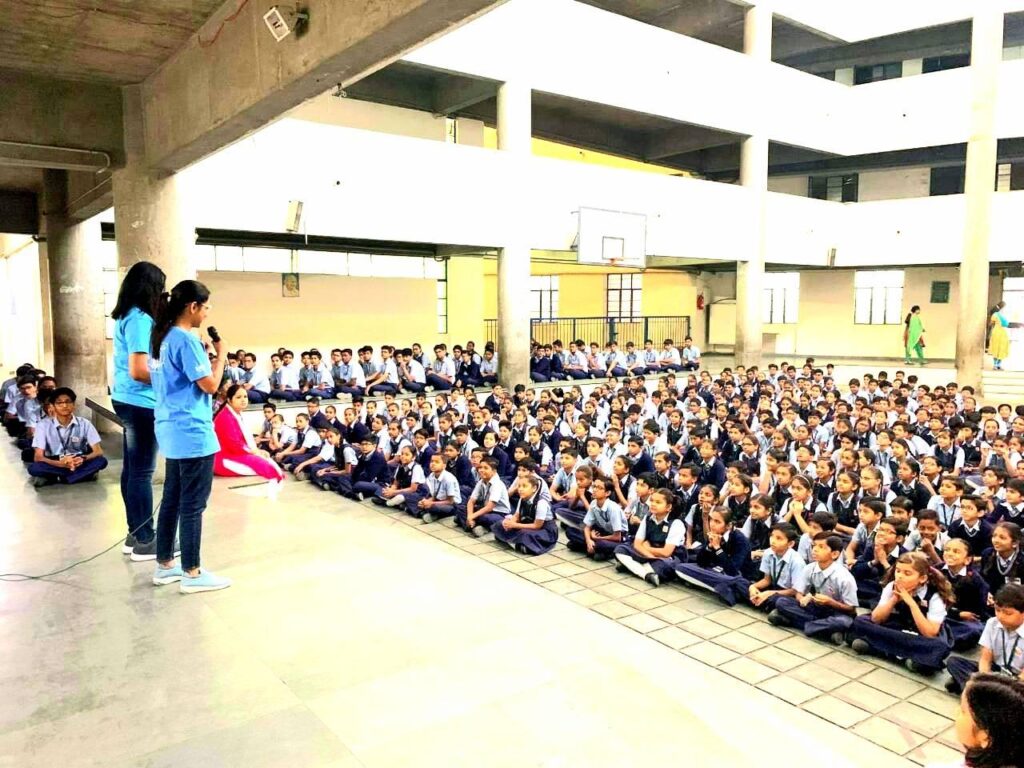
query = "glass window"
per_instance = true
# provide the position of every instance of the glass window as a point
(949, 61)
(544, 297)
(780, 297)
(872, 73)
(838, 189)
(624, 296)
(947, 180)
(878, 297)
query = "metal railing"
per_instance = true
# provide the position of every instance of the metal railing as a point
(602, 329)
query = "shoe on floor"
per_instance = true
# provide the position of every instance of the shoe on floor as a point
(144, 552)
(838, 638)
(860, 646)
(170, 575)
(653, 579)
(206, 581)
(41, 482)
(952, 686)
(129, 545)
(427, 517)
(776, 619)
(479, 531)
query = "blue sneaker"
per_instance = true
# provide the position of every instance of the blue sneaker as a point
(206, 581)
(167, 575)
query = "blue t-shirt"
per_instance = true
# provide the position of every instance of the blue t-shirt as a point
(132, 336)
(184, 413)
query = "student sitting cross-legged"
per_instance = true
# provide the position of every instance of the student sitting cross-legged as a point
(66, 447)
(652, 553)
(779, 566)
(908, 623)
(970, 595)
(826, 594)
(440, 493)
(604, 524)
(531, 529)
(369, 474)
(408, 480)
(1002, 642)
(722, 558)
(488, 504)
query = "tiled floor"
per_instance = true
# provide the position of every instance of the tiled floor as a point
(877, 700)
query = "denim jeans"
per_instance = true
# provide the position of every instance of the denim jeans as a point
(137, 469)
(186, 491)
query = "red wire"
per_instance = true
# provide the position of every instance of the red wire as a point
(232, 17)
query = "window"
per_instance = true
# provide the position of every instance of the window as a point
(111, 282)
(878, 297)
(950, 61)
(948, 180)
(839, 189)
(780, 297)
(1009, 177)
(442, 304)
(228, 258)
(872, 73)
(544, 297)
(624, 296)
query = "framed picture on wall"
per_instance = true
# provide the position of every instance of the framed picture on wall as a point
(290, 285)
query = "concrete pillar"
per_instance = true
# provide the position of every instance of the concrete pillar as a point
(514, 137)
(147, 213)
(76, 294)
(979, 188)
(757, 43)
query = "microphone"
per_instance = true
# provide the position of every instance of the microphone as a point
(214, 336)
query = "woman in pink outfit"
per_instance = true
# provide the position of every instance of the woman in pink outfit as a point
(238, 455)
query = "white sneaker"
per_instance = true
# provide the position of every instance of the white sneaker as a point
(206, 581)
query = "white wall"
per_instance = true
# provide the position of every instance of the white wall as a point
(21, 311)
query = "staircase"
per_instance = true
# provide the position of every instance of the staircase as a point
(1003, 386)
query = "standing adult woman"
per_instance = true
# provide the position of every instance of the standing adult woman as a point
(183, 380)
(999, 339)
(913, 335)
(134, 401)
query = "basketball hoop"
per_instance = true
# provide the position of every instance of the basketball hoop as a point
(614, 261)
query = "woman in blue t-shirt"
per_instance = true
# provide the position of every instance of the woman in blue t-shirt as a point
(183, 380)
(133, 400)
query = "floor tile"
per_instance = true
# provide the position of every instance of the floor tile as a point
(804, 647)
(591, 580)
(562, 586)
(789, 689)
(699, 605)
(704, 628)
(747, 670)
(941, 703)
(643, 602)
(710, 653)
(948, 737)
(776, 658)
(671, 595)
(567, 569)
(739, 642)
(643, 622)
(836, 711)
(545, 561)
(849, 666)
(917, 719)
(766, 633)
(818, 676)
(672, 614)
(730, 618)
(614, 590)
(518, 566)
(499, 557)
(481, 548)
(674, 637)
(613, 609)
(586, 597)
(865, 697)
(889, 735)
(894, 684)
(539, 575)
(933, 753)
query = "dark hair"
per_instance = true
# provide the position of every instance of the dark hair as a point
(66, 391)
(996, 703)
(786, 530)
(172, 305)
(233, 390)
(141, 288)
(1010, 596)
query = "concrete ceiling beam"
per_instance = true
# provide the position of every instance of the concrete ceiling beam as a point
(684, 139)
(454, 95)
(21, 155)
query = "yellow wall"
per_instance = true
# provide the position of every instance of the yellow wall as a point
(468, 300)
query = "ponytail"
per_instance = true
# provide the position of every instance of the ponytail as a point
(171, 305)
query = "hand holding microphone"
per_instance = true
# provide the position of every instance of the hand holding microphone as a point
(215, 339)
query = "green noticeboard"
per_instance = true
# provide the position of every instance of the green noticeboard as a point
(940, 292)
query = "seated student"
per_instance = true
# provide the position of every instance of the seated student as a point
(385, 381)
(652, 555)
(348, 376)
(459, 467)
(712, 470)
(411, 375)
(637, 508)
(642, 461)
(722, 558)
(604, 525)
(467, 371)
(489, 367)
(263, 438)
(874, 562)
(1002, 642)
(1010, 509)
(441, 375)
(778, 569)
(826, 594)
(345, 459)
(972, 527)
(239, 456)
(870, 512)
(284, 378)
(255, 381)
(540, 366)
(28, 412)
(488, 504)
(307, 444)
(66, 448)
(562, 480)
(322, 459)
(947, 503)
(368, 476)
(926, 536)
(438, 497)
(233, 373)
(408, 481)
(820, 521)
(531, 528)
(574, 505)
(908, 622)
(669, 359)
(698, 520)
(758, 529)
(970, 596)
(1002, 564)
(539, 451)
(281, 436)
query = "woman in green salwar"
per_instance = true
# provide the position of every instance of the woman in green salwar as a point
(913, 335)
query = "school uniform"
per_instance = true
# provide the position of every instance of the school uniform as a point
(740, 509)
(319, 421)
(542, 454)
(345, 458)
(489, 371)
(716, 569)
(413, 378)
(349, 379)
(540, 369)
(641, 463)
(615, 364)
(898, 637)
(368, 476)
(557, 368)
(970, 594)
(436, 487)
(320, 381)
(947, 512)
(324, 460)
(405, 476)
(649, 358)
(758, 533)
(57, 441)
(1007, 653)
(1008, 512)
(690, 358)
(606, 520)
(782, 572)
(468, 373)
(284, 384)
(581, 369)
(869, 574)
(914, 540)
(669, 360)
(814, 620)
(484, 492)
(977, 536)
(309, 445)
(712, 473)
(259, 389)
(996, 571)
(527, 540)
(30, 413)
(657, 533)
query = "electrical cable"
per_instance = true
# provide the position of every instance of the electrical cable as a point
(17, 577)
(232, 17)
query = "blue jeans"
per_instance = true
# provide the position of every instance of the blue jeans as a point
(137, 469)
(186, 491)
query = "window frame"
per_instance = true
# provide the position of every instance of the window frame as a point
(624, 289)
(544, 293)
(889, 295)
(780, 302)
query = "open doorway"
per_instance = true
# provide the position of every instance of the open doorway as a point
(1013, 295)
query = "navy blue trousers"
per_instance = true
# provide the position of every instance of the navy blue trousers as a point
(487, 521)
(528, 541)
(578, 543)
(665, 567)
(891, 641)
(814, 620)
(65, 475)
